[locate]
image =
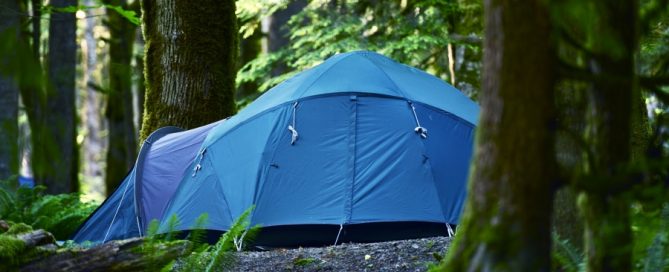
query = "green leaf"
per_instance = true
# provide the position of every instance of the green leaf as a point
(130, 15)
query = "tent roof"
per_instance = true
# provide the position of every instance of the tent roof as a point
(358, 72)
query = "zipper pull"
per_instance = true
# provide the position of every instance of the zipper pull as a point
(198, 166)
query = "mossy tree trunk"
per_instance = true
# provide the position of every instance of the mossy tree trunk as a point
(606, 209)
(122, 140)
(572, 103)
(506, 225)
(9, 98)
(57, 166)
(190, 62)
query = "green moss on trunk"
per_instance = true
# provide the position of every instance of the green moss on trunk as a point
(58, 163)
(606, 204)
(506, 225)
(190, 62)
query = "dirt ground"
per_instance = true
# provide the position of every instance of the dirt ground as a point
(405, 255)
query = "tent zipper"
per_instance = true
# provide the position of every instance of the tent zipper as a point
(292, 128)
(420, 130)
(198, 166)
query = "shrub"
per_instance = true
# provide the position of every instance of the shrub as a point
(59, 214)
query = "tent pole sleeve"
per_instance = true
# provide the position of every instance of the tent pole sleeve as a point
(348, 205)
(139, 170)
(116, 212)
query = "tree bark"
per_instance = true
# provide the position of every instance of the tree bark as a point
(190, 61)
(608, 238)
(126, 255)
(58, 162)
(9, 97)
(36, 25)
(122, 142)
(506, 225)
(36, 238)
(572, 103)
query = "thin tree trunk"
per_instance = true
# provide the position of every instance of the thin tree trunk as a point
(506, 226)
(190, 62)
(59, 164)
(141, 87)
(249, 49)
(9, 98)
(93, 145)
(122, 142)
(608, 237)
(277, 36)
(37, 29)
(571, 100)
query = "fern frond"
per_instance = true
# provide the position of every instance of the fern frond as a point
(655, 256)
(172, 225)
(566, 255)
(198, 230)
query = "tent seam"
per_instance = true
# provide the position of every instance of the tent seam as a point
(143, 151)
(402, 92)
(321, 75)
(264, 172)
(434, 179)
(218, 183)
(342, 93)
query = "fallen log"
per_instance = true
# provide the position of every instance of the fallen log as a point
(36, 238)
(125, 255)
(4, 226)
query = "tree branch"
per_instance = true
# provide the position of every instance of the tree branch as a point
(469, 39)
(653, 82)
(661, 95)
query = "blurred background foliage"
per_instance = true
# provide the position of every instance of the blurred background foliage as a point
(279, 38)
(441, 37)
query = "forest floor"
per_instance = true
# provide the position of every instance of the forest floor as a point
(36, 250)
(404, 255)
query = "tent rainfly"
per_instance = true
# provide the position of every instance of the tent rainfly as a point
(359, 148)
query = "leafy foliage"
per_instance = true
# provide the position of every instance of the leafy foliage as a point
(129, 15)
(412, 32)
(566, 256)
(238, 233)
(217, 257)
(657, 254)
(650, 254)
(59, 214)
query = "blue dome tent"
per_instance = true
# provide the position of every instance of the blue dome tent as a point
(359, 148)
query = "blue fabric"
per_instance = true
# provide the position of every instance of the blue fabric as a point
(363, 72)
(115, 219)
(26, 181)
(166, 161)
(355, 156)
(357, 160)
(393, 180)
